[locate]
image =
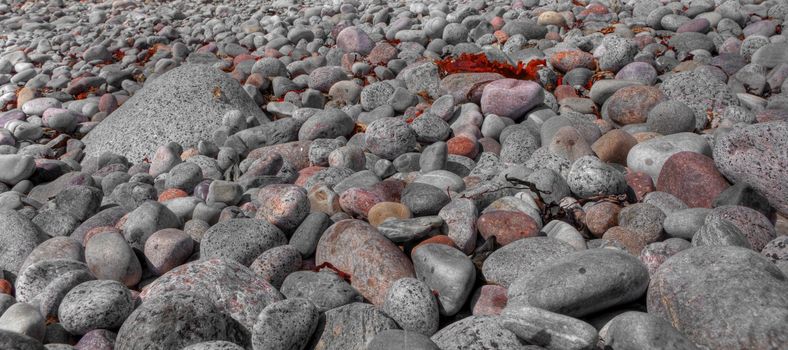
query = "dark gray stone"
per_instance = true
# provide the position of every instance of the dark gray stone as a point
(411, 304)
(478, 332)
(639, 330)
(396, 339)
(549, 329)
(423, 199)
(145, 220)
(175, 320)
(521, 257)
(350, 327)
(242, 240)
(286, 324)
(18, 238)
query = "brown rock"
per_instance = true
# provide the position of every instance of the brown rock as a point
(283, 205)
(600, 217)
(613, 146)
(631, 104)
(506, 226)
(324, 200)
(359, 201)
(463, 146)
(632, 240)
(438, 239)
(385, 210)
(358, 249)
(565, 61)
(693, 178)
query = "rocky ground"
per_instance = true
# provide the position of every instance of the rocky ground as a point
(528, 174)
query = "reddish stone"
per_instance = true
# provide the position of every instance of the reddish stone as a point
(565, 61)
(438, 239)
(305, 173)
(283, 205)
(489, 300)
(382, 53)
(167, 249)
(467, 87)
(358, 249)
(257, 80)
(632, 240)
(600, 217)
(243, 57)
(501, 36)
(506, 226)
(553, 36)
(296, 153)
(6, 288)
(389, 189)
(463, 146)
(641, 183)
(188, 153)
(497, 22)
(172, 193)
(358, 201)
(594, 8)
(108, 103)
(631, 104)
(563, 91)
(693, 178)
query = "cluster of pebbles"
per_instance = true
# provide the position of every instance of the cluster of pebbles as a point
(306, 175)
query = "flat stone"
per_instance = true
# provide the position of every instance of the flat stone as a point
(549, 329)
(602, 278)
(326, 290)
(521, 257)
(478, 332)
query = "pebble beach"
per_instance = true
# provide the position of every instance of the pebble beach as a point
(393, 175)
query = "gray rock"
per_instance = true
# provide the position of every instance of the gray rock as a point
(175, 320)
(700, 92)
(376, 95)
(389, 138)
(18, 239)
(241, 240)
(45, 283)
(589, 176)
(79, 201)
(326, 124)
(24, 319)
(184, 176)
(408, 230)
(286, 324)
(684, 223)
(771, 55)
(756, 155)
(422, 77)
(447, 271)
(106, 217)
(153, 116)
(214, 345)
(671, 117)
(324, 289)
(350, 327)
(549, 329)
(615, 52)
(581, 283)
(148, 218)
(274, 264)
(14, 341)
(306, 236)
(639, 330)
(719, 232)
(460, 217)
(15, 168)
(395, 339)
(411, 304)
(722, 296)
(478, 332)
(95, 305)
(521, 257)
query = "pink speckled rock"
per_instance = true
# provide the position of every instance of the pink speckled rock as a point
(511, 98)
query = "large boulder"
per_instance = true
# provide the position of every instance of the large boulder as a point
(722, 297)
(183, 105)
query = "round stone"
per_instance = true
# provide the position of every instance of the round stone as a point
(447, 271)
(241, 240)
(387, 210)
(506, 226)
(693, 178)
(631, 104)
(389, 137)
(590, 177)
(95, 305)
(109, 256)
(521, 257)
(410, 302)
(284, 206)
(274, 264)
(167, 249)
(670, 117)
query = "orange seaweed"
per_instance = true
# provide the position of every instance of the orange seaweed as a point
(478, 63)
